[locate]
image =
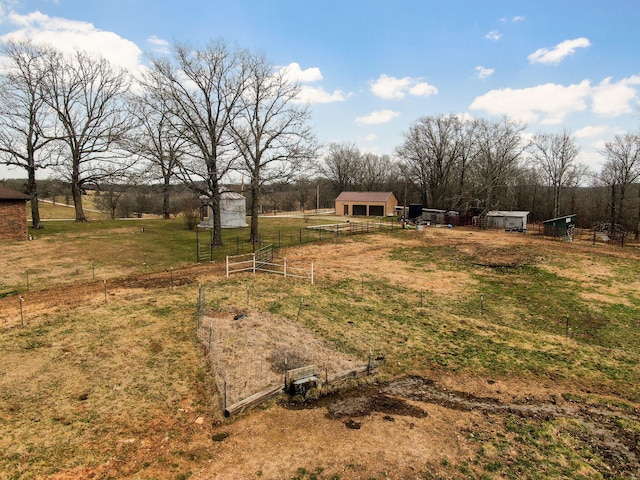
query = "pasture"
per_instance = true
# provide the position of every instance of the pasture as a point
(501, 356)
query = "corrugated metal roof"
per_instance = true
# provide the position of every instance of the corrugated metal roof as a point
(364, 196)
(10, 194)
(506, 213)
(231, 196)
(551, 220)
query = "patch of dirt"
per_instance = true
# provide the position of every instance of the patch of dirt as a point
(251, 350)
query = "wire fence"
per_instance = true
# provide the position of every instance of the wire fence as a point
(288, 238)
(252, 357)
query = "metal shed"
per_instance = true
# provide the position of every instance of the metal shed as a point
(233, 211)
(560, 226)
(511, 221)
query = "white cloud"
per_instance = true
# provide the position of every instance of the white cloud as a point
(559, 52)
(613, 99)
(159, 45)
(493, 35)
(294, 73)
(551, 101)
(378, 117)
(310, 94)
(370, 137)
(423, 89)
(484, 72)
(591, 131)
(518, 18)
(67, 35)
(392, 88)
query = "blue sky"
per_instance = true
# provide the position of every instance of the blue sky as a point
(369, 68)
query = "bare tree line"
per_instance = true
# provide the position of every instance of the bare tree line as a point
(194, 117)
(202, 114)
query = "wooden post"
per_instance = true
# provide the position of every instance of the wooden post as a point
(227, 266)
(254, 263)
(299, 309)
(21, 312)
(105, 292)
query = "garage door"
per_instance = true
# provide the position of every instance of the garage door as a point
(376, 211)
(359, 209)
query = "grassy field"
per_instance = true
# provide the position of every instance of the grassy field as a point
(115, 385)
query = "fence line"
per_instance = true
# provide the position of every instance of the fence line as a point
(212, 347)
(262, 261)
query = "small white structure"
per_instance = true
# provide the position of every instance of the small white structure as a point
(511, 221)
(233, 211)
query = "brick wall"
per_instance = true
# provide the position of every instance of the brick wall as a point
(13, 220)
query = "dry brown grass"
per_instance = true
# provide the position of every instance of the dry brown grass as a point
(121, 389)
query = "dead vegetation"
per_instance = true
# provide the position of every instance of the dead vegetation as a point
(120, 388)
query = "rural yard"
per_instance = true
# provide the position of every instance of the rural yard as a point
(500, 355)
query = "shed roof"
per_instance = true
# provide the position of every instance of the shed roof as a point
(564, 217)
(364, 196)
(507, 213)
(10, 194)
(231, 196)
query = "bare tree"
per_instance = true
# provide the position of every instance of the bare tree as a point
(87, 96)
(555, 157)
(201, 89)
(621, 169)
(499, 148)
(373, 172)
(341, 165)
(157, 141)
(24, 119)
(270, 131)
(432, 149)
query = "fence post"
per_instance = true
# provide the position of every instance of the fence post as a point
(254, 263)
(227, 266)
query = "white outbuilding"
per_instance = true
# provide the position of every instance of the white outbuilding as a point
(511, 221)
(233, 211)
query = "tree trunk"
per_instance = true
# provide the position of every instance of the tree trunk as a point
(166, 209)
(76, 192)
(612, 220)
(255, 205)
(32, 190)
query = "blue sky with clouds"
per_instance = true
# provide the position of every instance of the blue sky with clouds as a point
(369, 68)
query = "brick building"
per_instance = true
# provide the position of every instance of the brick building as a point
(13, 215)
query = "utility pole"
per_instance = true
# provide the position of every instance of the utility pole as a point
(404, 208)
